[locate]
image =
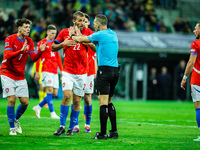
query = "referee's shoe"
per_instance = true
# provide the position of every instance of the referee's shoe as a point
(100, 136)
(113, 134)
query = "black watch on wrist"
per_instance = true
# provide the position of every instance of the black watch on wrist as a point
(72, 35)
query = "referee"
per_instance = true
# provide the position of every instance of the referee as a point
(106, 47)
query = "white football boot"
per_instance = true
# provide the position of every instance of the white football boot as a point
(37, 110)
(12, 131)
(17, 127)
(54, 116)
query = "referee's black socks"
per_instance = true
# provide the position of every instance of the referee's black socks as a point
(112, 116)
(103, 118)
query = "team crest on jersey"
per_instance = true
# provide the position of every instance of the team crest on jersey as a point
(6, 44)
(27, 48)
(63, 85)
(7, 90)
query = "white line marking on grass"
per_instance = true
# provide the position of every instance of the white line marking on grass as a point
(165, 120)
(158, 124)
(132, 121)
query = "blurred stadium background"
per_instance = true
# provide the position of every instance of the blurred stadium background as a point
(152, 34)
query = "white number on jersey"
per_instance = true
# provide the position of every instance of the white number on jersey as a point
(20, 56)
(77, 46)
(52, 54)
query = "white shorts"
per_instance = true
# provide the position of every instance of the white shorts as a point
(89, 84)
(50, 80)
(73, 82)
(10, 87)
(195, 93)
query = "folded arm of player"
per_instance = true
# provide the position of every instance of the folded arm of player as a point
(57, 46)
(9, 54)
(80, 38)
(188, 69)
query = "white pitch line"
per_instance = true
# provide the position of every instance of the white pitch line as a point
(165, 120)
(158, 124)
(131, 121)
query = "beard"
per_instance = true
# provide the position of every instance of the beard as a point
(197, 36)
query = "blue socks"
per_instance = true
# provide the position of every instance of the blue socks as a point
(42, 103)
(73, 118)
(20, 111)
(88, 114)
(48, 99)
(11, 116)
(77, 117)
(63, 114)
(198, 116)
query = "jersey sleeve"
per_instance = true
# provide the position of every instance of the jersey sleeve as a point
(194, 49)
(8, 44)
(9, 54)
(34, 56)
(94, 37)
(59, 38)
(37, 65)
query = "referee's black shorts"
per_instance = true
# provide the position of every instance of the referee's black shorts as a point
(107, 78)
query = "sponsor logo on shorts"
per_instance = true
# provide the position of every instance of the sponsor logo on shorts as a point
(7, 90)
(49, 81)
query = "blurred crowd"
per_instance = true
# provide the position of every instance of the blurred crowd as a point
(125, 15)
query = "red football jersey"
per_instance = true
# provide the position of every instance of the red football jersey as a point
(50, 60)
(75, 58)
(195, 50)
(91, 61)
(14, 61)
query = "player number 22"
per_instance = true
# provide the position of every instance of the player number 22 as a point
(77, 46)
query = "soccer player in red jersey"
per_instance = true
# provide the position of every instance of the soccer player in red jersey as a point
(50, 63)
(17, 48)
(74, 72)
(91, 72)
(193, 66)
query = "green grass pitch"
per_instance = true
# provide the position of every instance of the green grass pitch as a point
(155, 125)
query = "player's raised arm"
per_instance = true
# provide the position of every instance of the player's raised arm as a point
(57, 46)
(80, 39)
(9, 54)
(35, 56)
